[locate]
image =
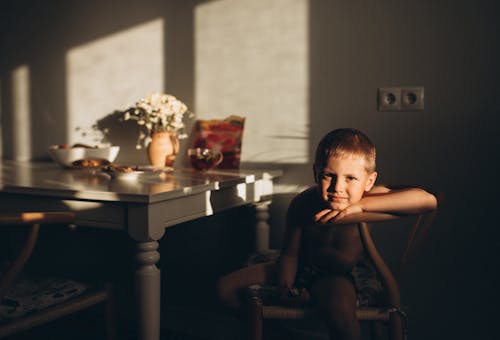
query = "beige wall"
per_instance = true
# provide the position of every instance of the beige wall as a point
(354, 47)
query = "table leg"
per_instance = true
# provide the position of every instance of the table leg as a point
(147, 279)
(262, 226)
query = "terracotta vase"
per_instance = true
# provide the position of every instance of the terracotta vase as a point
(163, 148)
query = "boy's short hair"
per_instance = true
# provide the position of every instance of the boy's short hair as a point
(340, 142)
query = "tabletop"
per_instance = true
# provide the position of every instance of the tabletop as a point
(48, 178)
(142, 205)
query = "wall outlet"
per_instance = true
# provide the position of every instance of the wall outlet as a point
(389, 99)
(412, 98)
(407, 98)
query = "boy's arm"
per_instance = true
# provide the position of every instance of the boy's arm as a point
(385, 199)
(287, 266)
(402, 201)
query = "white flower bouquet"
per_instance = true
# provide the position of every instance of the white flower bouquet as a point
(158, 113)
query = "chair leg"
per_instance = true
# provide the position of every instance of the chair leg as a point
(378, 330)
(110, 314)
(396, 326)
(254, 318)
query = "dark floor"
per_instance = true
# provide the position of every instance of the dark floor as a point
(181, 323)
(90, 325)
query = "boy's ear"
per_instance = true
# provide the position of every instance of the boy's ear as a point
(371, 181)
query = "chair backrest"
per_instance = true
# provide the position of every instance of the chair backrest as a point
(416, 234)
(391, 313)
(43, 305)
(32, 219)
(415, 237)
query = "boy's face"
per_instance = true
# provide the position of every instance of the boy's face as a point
(344, 180)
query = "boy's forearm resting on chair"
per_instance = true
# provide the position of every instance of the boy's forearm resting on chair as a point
(403, 201)
(384, 200)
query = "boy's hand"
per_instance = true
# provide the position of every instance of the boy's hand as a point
(325, 215)
(329, 215)
(292, 296)
(350, 210)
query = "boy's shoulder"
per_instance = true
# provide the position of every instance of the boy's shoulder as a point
(307, 198)
(304, 206)
(309, 193)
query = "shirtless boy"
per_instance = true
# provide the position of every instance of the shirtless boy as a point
(317, 257)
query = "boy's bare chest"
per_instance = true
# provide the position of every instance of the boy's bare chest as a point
(317, 235)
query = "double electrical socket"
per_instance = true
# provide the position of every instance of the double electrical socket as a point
(408, 98)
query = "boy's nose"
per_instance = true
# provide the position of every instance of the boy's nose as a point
(338, 186)
(335, 186)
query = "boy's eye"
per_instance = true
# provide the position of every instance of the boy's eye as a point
(326, 175)
(351, 178)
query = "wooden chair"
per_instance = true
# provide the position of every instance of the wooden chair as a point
(389, 313)
(32, 221)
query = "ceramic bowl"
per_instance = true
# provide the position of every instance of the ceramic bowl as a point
(72, 156)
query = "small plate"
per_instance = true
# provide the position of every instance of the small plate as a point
(133, 172)
(150, 168)
(127, 176)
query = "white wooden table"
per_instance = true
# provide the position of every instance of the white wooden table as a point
(142, 207)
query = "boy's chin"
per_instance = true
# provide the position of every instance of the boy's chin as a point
(337, 206)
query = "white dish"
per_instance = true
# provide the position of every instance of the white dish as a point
(135, 172)
(127, 176)
(67, 157)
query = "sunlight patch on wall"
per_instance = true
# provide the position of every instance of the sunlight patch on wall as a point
(21, 114)
(251, 59)
(112, 73)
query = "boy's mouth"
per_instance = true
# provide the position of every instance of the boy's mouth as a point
(337, 199)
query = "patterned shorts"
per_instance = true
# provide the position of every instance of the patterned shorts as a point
(363, 276)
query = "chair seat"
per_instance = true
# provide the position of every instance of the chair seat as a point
(280, 312)
(54, 312)
(27, 302)
(31, 295)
